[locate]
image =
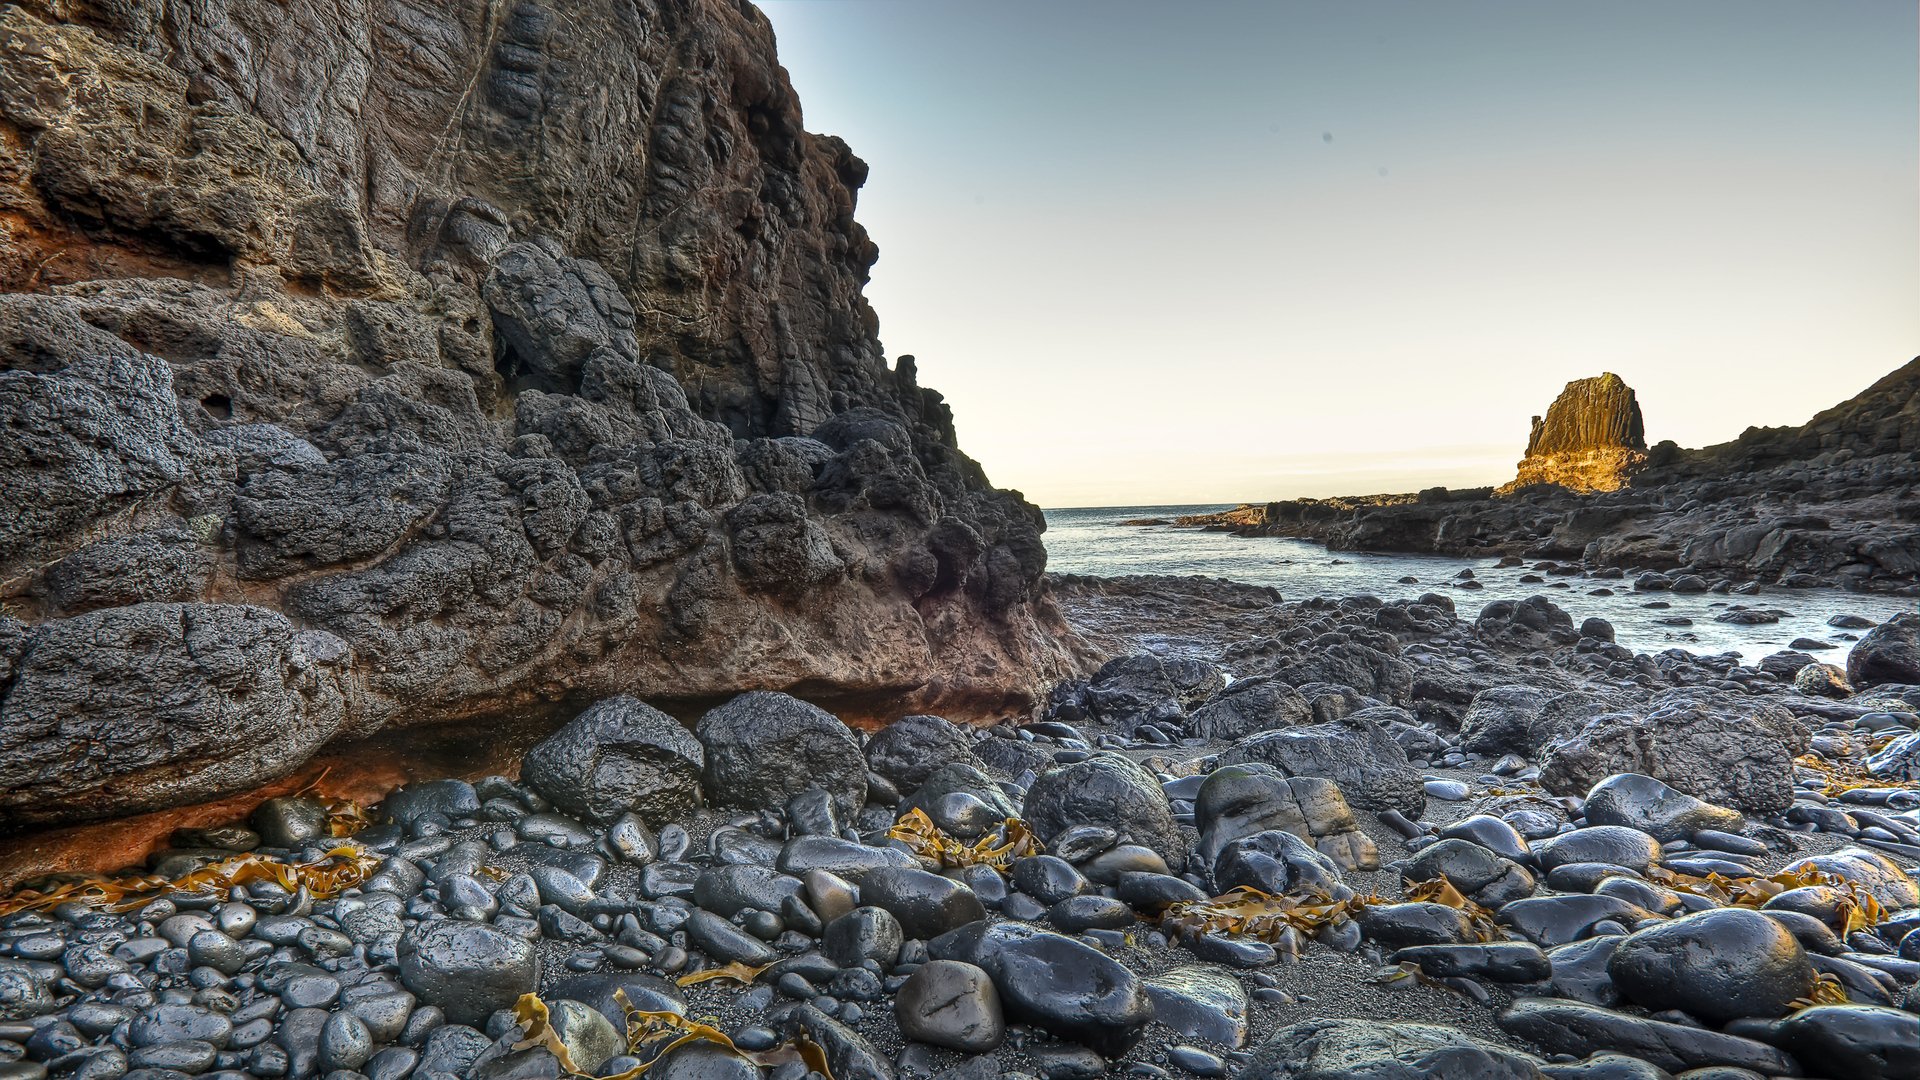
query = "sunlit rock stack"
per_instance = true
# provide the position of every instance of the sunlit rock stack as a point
(377, 367)
(1592, 439)
(1834, 502)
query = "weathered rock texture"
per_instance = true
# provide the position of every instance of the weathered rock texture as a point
(1834, 501)
(1592, 438)
(370, 365)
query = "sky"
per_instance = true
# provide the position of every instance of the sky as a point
(1224, 252)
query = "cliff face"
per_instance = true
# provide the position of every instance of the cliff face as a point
(397, 364)
(1592, 438)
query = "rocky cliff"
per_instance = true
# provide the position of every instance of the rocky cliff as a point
(1592, 438)
(366, 366)
(1835, 501)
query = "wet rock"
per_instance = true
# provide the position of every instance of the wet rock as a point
(1062, 986)
(951, 1004)
(849, 1055)
(1107, 790)
(465, 969)
(1718, 965)
(926, 904)
(1398, 926)
(289, 822)
(1237, 801)
(1616, 845)
(704, 1061)
(1580, 970)
(1341, 1049)
(1078, 914)
(620, 755)
(1899, 760)
(842, 858)
(956, 779)
(1606, 1067)
(1274, 862)
(1889, 884)
(1359, 756)
(763, 748)
(1491, 833)
(1048, 878)
(1548, 921)
(727, 890)
(1563, 1027)
(1487, 879)
(1501, 961)
(1889, 653)
(1200, 1003)
(866, 933)
(912, 748)
(1855, 1041)
(1646, 804)
(726, 942)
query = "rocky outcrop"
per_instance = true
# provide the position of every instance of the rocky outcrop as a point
(480, 360)
(1835, 501)
(1592, 438)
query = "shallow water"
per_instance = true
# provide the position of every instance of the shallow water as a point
(1092, 541)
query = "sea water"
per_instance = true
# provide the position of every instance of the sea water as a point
(1093, 541)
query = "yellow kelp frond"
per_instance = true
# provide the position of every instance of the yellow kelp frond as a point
(655, 1034)
(1251, 913)
(998, 849)
(1827, 990)
(340, 869)
(1442, 891)
(736, 971)
(1841, 776)
(1862, 910)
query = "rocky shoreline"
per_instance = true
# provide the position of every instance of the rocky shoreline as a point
(1834, 502)
(1494, 845)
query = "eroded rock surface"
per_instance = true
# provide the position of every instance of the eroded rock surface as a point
(518, 354)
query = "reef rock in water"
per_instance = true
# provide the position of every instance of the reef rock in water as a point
(378, 365)
(1592, 438)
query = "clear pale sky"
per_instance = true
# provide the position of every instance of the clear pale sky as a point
(1220, 252)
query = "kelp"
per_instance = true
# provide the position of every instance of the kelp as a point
(1442, 891)
(737, 971)
(1827, 990)
(1249, 912)
(1010, 841)
(655, 1034)
(344, 816)
(1861, 910)
(341, 868)
(1839, 777)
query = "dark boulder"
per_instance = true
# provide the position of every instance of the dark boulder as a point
(618, 755)
(762, 748)
(1108, 790)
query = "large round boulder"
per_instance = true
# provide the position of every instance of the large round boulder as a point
(1110, 790)
(912, 748)
(467, 969)
(619, 755)
(763, 747)
(1889, 653)
(1717, 965)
